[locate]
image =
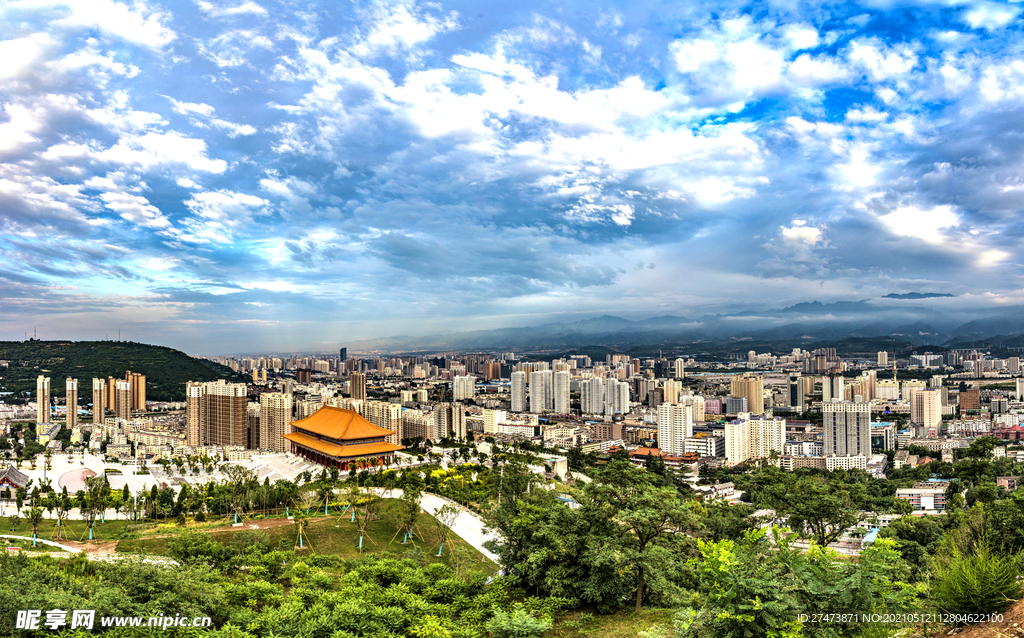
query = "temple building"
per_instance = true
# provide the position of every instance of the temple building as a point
(335, 437)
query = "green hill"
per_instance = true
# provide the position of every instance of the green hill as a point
(166, 369)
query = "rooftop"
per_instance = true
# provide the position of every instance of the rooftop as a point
(340, 424)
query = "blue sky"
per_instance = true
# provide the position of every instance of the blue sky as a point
(254, 175)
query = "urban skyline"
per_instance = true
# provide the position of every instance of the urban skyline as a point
(213, 176)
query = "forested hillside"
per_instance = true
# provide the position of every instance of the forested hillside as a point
(166, 369)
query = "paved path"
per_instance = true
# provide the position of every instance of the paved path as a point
(468, 526)
(66, 551)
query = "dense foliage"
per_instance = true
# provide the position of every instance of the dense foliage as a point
(167, 370)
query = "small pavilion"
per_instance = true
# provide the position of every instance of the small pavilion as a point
(335, 437)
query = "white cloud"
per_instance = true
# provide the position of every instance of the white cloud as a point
(219, 11)
(800, 233)
(135, 209)
(227, 208)
(136, 23)
(153, 150)
(990, 15)
(882, 62)
(926, 225)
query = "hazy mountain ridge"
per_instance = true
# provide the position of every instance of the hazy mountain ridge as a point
(808, 321)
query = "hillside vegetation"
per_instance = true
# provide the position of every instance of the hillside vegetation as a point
(166, 369)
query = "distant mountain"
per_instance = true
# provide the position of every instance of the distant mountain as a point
(800, 323)
(916, 295)
(166, 369)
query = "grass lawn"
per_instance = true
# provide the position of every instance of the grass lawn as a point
(621, 624)
(334, 535)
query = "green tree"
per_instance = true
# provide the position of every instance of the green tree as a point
(816, 508)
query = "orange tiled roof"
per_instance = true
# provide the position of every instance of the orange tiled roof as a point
(341, 451)
(340, 424)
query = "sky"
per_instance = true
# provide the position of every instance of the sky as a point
(257, 176)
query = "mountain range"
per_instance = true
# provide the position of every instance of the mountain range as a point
(813, 321)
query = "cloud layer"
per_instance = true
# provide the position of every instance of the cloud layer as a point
(226, 176)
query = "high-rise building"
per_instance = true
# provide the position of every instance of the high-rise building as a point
(123, 399)
(592, 396)
(1020, 389)
(680, 370)
(847, 426)
(883, 359)
(275, 420)
(736, 405)
(675, 424)
(616, 397)
(42, 399)
(672, 390)
(796, 392)
(926, 410)
(137, 390)
(216, 412)
(752, 387)
(519, 391)
(111, 393)
(387, 415)
(451, 420)
(755, 438)
(252, 427)
(71, 401)
(539, 391)
(492, 419)
(463, 388)
(343, 354)
(357, 388)
(561, 392)
(99, 400)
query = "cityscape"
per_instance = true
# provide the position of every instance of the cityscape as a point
(451, 319)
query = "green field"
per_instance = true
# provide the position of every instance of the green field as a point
(334, 535)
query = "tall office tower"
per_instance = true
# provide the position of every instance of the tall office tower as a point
(519, 391)
(592, 396)
(275, 420)
(539, 391)
(463, 388)
(385, 415)
(123, 399)
(926, 410)
(847, 426)
(253, 440)
(343, 354)
(672, 390)
(883, 359)
(796, 392)
(137, 393)
(549, 390)
(451, 420)
(752, 387)
(357, 386)
(1013, 364)
(616, 397)
(561, 392)
(99, 400)
(680, 370)
(71, 401)
(655, 397)
(675, 424)
(1020, 389)
(42, 399)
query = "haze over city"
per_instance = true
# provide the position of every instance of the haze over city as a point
(235, 177)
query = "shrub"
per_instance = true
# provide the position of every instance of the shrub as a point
(980, 582)
(517, 623)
